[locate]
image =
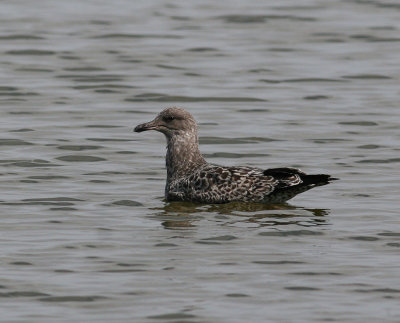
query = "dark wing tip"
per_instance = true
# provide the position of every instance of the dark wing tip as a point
(318, 179)
(282, 172)
(285, 172)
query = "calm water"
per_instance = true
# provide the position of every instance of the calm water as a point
(85, 234)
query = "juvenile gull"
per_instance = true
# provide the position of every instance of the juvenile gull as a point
(191, 178)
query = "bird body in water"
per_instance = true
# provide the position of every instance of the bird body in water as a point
(191, 178)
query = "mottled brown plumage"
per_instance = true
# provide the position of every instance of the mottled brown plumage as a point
(191, 178)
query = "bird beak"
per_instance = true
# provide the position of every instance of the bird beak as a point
(146, 126)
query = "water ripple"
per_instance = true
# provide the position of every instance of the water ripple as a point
(156, 97)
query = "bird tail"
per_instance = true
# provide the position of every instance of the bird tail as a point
(285, 190)
(286, 173)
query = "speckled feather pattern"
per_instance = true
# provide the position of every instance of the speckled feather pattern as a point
(191, 178)
(218, 184)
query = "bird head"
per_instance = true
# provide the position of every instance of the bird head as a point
(171, 121)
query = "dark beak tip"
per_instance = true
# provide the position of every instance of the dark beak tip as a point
(138, 129)
(144, 127)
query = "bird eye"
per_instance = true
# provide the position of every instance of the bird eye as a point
(168, 118)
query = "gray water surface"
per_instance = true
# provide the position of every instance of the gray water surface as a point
(85, 234)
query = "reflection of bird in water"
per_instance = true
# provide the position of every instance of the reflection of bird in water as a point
(176, 215)
(191, 178)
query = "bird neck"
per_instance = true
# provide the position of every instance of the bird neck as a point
(183, 155)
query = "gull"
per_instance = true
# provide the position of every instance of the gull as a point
(191, 178)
